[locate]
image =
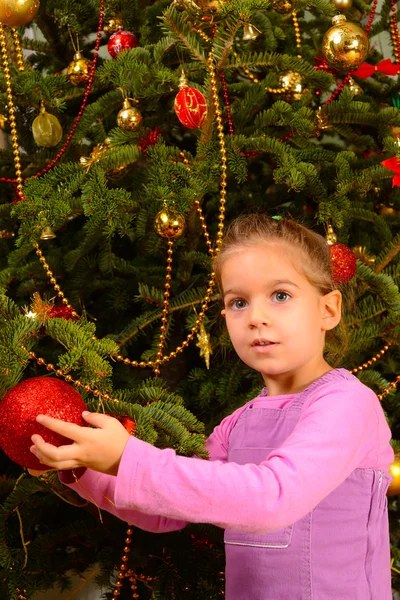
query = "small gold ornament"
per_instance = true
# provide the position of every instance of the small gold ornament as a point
(394, 487)
(343, 5)
(3, 122)
(331, 237)
(283, 7)
(321, 122)
(250, 32)
(203, 342)
(129, 118)
(294, 82)
(15, 13)
(169, 224)
(87, 161)
(384, 209)
(78, 71)
(112, 25)
(6, 235)
(46, 129)
(362, 254)
(354, 87)
(47, 234)
(345, 45)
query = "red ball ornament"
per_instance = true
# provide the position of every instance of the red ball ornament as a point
(190, 107)
(20, 407)
(344, 263)
(121, 40)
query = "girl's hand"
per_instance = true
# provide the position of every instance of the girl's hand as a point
(99, 449)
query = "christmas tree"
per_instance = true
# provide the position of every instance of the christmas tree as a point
(132, 132)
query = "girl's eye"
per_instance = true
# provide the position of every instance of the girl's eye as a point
(281, 296)
(237, 304)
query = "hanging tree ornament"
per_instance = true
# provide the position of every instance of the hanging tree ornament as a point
(190, 105)
(129, 118)
(78, 71)
(169, 223)
(394, 487)
(250, 32)
(343, 260)
(112, 25)
(292, 84)
(203, 342)
(354, 87)
(343, 5)
(16, 13)
(121, 40)
(283, 7)
(46, 129)
(345, 45)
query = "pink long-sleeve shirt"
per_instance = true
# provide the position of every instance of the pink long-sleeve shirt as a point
(342, 427)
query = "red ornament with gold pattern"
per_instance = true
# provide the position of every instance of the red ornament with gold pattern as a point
(121, 40)
(190, 105)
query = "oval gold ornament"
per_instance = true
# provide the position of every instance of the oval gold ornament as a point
(15, 13)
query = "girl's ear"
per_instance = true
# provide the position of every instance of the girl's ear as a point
(331, 310)
(223, 312)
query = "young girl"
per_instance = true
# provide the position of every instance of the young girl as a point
(298, 476)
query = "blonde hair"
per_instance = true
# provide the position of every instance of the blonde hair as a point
(257, 229)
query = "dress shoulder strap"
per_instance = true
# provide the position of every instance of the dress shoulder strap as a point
(334, 375)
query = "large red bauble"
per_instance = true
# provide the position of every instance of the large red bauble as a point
(344, 263)
(121, 40)
(20, 407)
(190, 107)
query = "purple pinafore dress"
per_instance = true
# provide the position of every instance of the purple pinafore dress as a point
(338, 551)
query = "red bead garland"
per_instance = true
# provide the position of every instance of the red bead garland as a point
(71, 133)
(346, 79)
(227, 103)
(394, 33)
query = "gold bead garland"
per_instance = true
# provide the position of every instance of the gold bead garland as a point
(52, 279)
(165, 311)
(11, 112)
(18, 49)
(387, 390)
(123, 567)
(69, 379)
(204, 227)
(297, 32)
(370, 362)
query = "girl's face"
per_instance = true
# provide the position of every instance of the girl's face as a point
(276, 319)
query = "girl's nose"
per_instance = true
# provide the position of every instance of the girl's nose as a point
(258, 316)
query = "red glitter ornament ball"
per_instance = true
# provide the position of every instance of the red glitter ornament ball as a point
(20, 407)
(190, 107)
(344, 263)
(121, 40)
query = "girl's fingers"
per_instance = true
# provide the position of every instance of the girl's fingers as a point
(51, 455)
(68, 430)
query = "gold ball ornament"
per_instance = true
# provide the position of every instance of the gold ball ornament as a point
(394, 487)
(15, 13)
(354, 87)
(129, 118)
(78, 71)
(343, 5)
(294, 84)
(112, 25)
(46, 129)
(283, 7)
(345, 45)
(169, 224)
